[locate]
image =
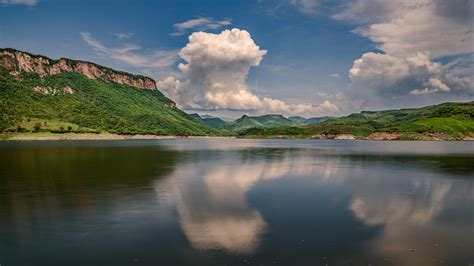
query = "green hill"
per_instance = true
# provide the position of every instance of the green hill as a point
(264, 121)
(214, 122)
(72, 102)
(308, 121)
(443, 121)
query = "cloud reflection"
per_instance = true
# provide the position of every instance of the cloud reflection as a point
(405, 200)
(212, 205)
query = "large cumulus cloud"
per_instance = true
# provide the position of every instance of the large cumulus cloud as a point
(401, 27)
(215, 71)
(413, 36)
(388, 75)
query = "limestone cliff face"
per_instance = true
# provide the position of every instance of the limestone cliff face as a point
(16, 61)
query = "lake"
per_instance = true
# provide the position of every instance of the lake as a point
(236, 202)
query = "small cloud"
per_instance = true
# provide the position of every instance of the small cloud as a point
(308, 7)
(156, 63)
(123, 35)
(335, 76)
(200, 23)
(19, 2)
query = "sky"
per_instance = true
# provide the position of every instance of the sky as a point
(292, 57)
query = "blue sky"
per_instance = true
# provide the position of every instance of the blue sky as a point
(312, 47)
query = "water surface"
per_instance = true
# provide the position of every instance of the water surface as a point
(236, 202)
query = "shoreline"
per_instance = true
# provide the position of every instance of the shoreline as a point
(100, 136)
(47, 136)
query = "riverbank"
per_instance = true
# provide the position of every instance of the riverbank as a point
(427, 136)
(92, 136)
(109, 136)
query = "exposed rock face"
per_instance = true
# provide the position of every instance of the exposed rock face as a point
(345, 136)
(17, 61)
(48, 90)
(334, 136)
(171, 105)
(384, 136)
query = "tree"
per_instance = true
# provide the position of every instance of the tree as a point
(37, 127)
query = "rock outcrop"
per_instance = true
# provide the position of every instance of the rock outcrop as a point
(48, 90)
(16, 61)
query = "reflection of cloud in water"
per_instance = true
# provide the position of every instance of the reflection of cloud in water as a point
(234, 233)
(214, 212)
(394, 209)
(409, 220)
(213, 209)
(403, 199)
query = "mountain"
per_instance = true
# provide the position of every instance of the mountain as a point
(297, 119)
(264, 121)
(317, 120)
(41, 94)
(308, 121)
(214, 122)
(449, 121)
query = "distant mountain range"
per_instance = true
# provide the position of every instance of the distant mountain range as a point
(265, 121)
(447, 121)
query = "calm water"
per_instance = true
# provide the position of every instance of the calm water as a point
(236, 202)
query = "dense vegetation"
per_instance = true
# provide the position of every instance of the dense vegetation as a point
(94, 106)
(448, 120)
(264, 121)
(214, 122)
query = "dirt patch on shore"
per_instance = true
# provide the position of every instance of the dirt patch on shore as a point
(103, 136)
(384, 136)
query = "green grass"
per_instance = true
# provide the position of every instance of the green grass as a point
(448, 125)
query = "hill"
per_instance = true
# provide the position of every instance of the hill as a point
(448, 121)
(214, 122)
(308, 121)
(38, 94)
(264, 121)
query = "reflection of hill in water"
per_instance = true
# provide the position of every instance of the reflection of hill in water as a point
(453, 165)
(194, 202)
(49, 180)
(46, 168)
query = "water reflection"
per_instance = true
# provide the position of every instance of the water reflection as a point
(212, 203)
(219, 202)
(47, 189)
(405, 200)
(410, 207)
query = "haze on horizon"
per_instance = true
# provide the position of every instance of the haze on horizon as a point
(290, 57)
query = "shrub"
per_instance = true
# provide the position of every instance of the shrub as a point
(37, 127)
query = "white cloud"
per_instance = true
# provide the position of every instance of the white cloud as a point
(200, 23)
(19, 2)
(403, 27)
(309, 7)
(215, 74)
(216, 68)
(156, 63)
(411, 34)
(123, 35)
(305, 109)
(392, 76)
(335, 76)
(364, 11)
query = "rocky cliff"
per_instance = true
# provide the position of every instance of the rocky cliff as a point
(16, 61)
